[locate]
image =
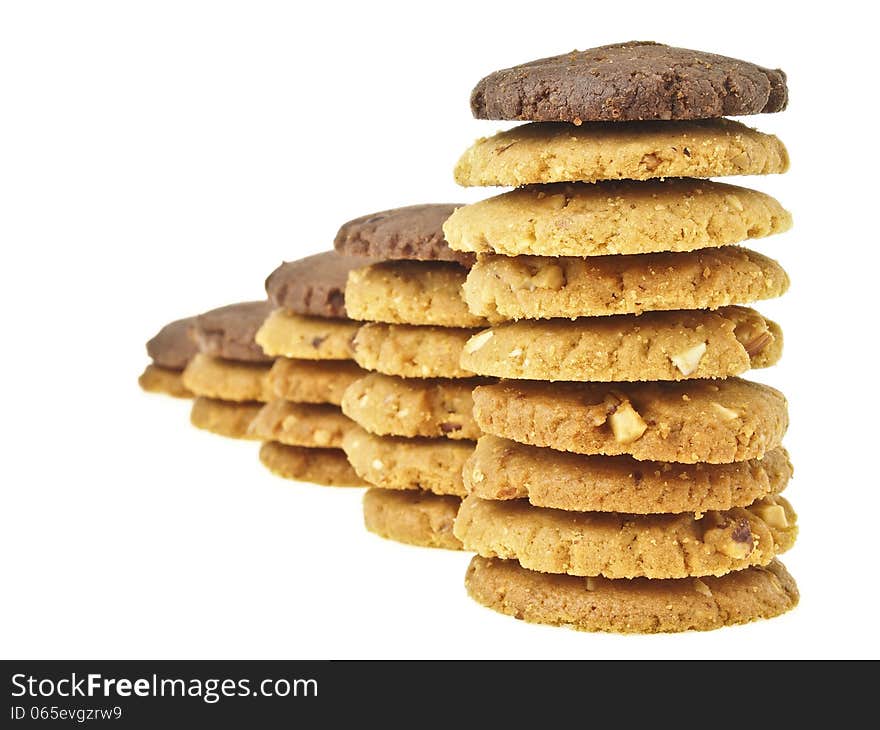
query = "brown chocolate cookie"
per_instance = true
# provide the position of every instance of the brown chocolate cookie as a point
(313, 286)
(413, 233)
(629, 81)
(228, 332)
(173, 347)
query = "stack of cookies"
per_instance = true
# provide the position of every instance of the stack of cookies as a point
(628, 480)
(228, 373)
(302, 426)
(170, 352)
(414, 409)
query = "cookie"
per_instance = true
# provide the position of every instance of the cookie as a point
(228, 332)
(389, 406)
(676, 345)
(392, 462)
(227, 379)
(415, 518)
(616, 545)
(547, 152)
(312, 381)
(313, 425)
(539, 287)
(224, 418)
(716, 422)
(156, 379)
(629, 81)
(637, 606)
(173, 346)
(313, 286)
(306, 338)
(410, 292)
(412, 351)
(411, 233)
(501, 469)
(581, 219)
(318, 466)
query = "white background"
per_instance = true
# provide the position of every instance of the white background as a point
(161, 158)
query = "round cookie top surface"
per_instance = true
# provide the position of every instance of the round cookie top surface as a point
(313, 286)
(173, 347)
(414, 232)
(629, 81)
(228, 332)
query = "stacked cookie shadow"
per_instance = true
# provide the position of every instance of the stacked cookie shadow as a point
(628, 480)
(414, 408)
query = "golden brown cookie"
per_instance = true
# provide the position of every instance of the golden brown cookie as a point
(313, 425)
(578, 219)
(306, 338)
(616, 545)
(653, 346)
(539, 287)
(389, 406)
(415, 518)
(636, 606)
(551, 152)
(410, 292)
(411, 351)
(392, 462)
(502, 469)
(227, 379)
(312, 381)
(156, 379)
(225, 418)
(318, 466)
(694, 421)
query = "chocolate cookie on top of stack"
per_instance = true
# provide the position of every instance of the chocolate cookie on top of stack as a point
(228, 373)
(641, 492)
(302, 426)
(170, 351)
(414, 409)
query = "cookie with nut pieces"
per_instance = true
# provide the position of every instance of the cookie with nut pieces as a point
(433, 408)
(711, 421)
(638, 605)
(412, 517)
(410, 292)
(619, 217)
(320, 425)
(542, 153)
(327, 467)
(502, 469)
(675, 345)
(541, 287)
(619, 545)
(393, 462)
